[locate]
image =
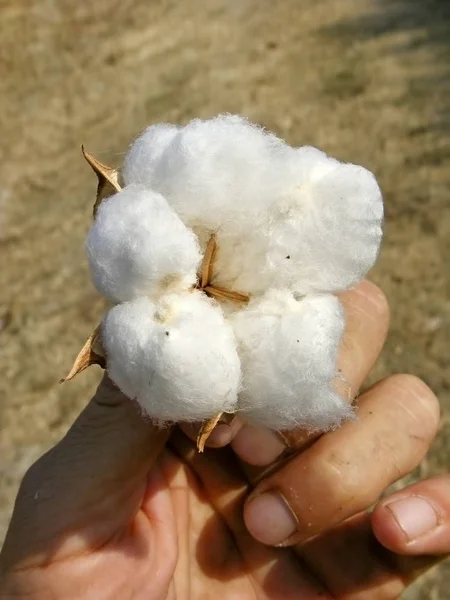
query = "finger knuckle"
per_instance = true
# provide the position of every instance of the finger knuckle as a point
(419, 405)
(344, 481)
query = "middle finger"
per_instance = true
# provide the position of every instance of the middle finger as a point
(347, 470)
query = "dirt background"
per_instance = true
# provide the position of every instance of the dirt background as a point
(367, 81)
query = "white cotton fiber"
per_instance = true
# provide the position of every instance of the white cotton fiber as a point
(214, 173)
(145, 152)
(288, 352)
(291, 225)
(283, 217)
(138, 246)
(177, 357)
(320, 233)
(326, 227)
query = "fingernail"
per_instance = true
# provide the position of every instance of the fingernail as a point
(257, 446)
(269, 519)
(414, 515)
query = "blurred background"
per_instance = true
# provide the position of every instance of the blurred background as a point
(367, 81)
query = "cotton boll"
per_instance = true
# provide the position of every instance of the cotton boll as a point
(138, 246)
(145, 152)
(177, 357)
(214, 173)
(288, 351)
(326, 230)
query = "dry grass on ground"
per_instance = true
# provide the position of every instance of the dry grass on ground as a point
(366, 81)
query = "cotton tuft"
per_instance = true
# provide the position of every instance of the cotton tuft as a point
(177, 357)
(327, 226)
(288, 350)
(146, 152)
(292, 227)
(138, 246)
(214, 173)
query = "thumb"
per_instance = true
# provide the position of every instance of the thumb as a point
(90, 484)
(112, 442)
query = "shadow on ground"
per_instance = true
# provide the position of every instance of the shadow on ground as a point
(427, 25)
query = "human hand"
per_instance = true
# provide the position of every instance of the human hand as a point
(120, 509)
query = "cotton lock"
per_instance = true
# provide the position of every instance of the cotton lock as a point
(177, 357)
(288, 351)
(138, 246)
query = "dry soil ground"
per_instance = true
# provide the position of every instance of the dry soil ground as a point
(366, 80)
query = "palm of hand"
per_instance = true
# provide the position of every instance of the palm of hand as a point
(180, 535)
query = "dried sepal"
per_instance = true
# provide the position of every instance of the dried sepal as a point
(223, 294)
(208, 262)
(90, 354)
(206, 276)
(108, 178)
(208, 427)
